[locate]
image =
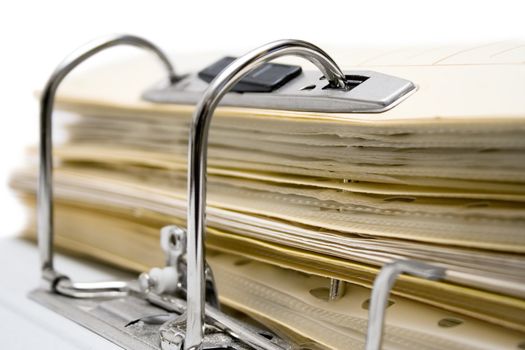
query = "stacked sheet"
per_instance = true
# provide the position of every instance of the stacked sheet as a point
(439, 178)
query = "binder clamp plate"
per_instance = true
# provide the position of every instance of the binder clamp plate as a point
(177, 306)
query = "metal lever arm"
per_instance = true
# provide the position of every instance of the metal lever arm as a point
(198, 146)
(45, 180)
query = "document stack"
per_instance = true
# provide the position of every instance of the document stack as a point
(305, 206)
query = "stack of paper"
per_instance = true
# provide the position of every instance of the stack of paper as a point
(439, 178)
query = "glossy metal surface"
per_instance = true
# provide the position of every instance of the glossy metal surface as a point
(215, 319)
(307, 92)
(198, 147)
(45, 180)
(381, 291)
(337, 289)
(87, 290)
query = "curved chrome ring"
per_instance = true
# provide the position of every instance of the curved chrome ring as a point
(56, 281)
(198, 146)
(109, 289)
(381, 290)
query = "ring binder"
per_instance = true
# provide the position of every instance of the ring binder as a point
(156, 298)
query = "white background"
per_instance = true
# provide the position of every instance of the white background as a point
(35, 35)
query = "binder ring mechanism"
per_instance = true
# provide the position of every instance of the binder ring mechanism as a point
(198, 145)
(200, 323)
(55, 280)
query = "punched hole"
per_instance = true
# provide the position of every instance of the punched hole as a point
(366, 304)
(308, 87)
(449, 322)
(521, 345)
(321, 293)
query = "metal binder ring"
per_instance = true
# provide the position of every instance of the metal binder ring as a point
(381, 290)
(57, 282)
(198, 146)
